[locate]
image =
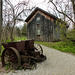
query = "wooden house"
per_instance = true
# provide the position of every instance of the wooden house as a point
(41, 26)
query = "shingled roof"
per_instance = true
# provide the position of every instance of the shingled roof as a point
(35, 10)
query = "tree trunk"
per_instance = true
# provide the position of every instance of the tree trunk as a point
(0, 22)
(12, 29)
(11, 36)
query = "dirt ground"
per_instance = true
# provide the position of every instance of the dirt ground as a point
(57, 63)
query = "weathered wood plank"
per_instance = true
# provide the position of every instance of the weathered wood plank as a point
(46, 27)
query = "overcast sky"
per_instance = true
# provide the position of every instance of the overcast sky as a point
(39, 3)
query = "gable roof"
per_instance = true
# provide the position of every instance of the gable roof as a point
(35, 10)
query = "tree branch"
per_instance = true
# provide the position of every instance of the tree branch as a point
(62, 12)
(9, 4)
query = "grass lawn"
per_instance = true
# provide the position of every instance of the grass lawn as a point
(61, 46)
(20, 38)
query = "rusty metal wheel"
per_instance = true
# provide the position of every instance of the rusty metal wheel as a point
(38, 48)
(11, 57)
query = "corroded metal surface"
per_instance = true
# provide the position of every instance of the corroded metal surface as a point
(22, 53)
(11, 55)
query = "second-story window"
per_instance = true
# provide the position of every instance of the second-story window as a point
(38, 32)
(38, 19)
(38, 29)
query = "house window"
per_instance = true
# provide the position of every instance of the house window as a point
(38, 18)
(38, 29)
(38, 32)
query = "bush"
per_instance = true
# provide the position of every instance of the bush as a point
(71, 35)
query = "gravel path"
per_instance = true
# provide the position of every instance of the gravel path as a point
(57, 63)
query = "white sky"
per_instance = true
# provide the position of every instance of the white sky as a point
(39, 3)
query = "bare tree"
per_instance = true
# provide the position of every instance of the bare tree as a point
(0, 21)
(14, 13)
(65, 14)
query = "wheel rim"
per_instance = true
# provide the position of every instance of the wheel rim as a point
(11, 57)
(38, 48)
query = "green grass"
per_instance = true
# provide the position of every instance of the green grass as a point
(17, 39)
(20, 38)
(68, 47)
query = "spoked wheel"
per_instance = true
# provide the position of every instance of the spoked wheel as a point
(38, 48)
(11, 57)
